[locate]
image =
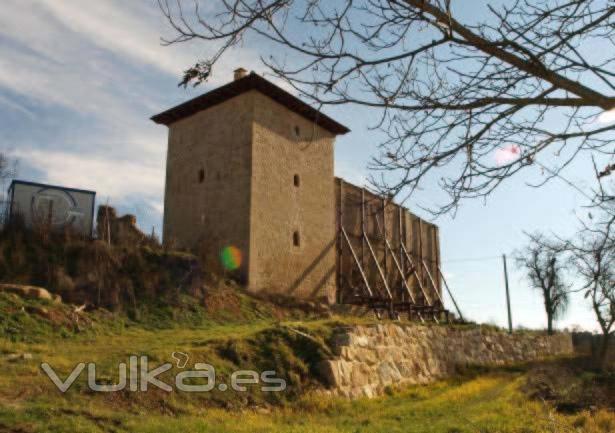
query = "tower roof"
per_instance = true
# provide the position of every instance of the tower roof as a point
(242, 85)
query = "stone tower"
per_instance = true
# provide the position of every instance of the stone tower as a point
(250, 171)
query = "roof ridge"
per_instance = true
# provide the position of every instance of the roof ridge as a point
(252, 81)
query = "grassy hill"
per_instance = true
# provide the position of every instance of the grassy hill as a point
(254, 334)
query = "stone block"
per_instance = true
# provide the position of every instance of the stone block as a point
(330, 372)
(30, 292)
(388, 373)
(361, 375)
(359, 340)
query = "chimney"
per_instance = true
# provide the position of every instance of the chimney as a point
(239, 73)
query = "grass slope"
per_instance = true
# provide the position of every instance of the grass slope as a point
(245, 333)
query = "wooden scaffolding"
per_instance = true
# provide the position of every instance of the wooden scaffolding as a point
(388, 259)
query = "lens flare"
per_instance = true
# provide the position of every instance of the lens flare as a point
(507, 154)
(230, 256)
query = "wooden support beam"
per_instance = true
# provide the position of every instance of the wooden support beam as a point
(401, 239)
(382, 275)
(415, 272)
(433, 282)
(384, 234)
(397, 265)
(340, 246)
(451, 294)
(399, 269)
(436, 243)
(403, 278)
(420, 252)
(362, 227)
(356, 260)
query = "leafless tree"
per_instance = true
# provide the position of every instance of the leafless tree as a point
(449, 93)
(543, 262)
(593, 255)
(8, 169)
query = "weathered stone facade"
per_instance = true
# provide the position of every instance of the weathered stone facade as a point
(208, 181)
(250, 173)
(370, 358)
(292, 220)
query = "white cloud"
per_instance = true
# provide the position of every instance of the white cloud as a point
(108, 25)
(53, 84)
(113, 178)
(157, 205)
(80, 56)
(136, 34)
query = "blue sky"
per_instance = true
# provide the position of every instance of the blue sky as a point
(78, 85)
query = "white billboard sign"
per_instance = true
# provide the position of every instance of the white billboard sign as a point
(55, 206)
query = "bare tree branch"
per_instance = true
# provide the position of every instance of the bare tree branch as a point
(469, 104)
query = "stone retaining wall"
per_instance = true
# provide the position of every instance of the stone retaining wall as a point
(370, 358)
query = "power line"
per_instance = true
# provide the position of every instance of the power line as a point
(574, 186)
(566, 181)
(471, 259)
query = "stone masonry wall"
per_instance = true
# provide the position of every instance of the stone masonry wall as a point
(207, 195)
(370, 358)
(253, 174)
(292, 219)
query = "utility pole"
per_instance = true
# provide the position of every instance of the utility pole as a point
(510, 327)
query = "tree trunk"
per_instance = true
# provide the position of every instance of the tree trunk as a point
(603, 351)
(550, 323)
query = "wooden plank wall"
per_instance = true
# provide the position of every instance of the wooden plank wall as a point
(420, 237)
